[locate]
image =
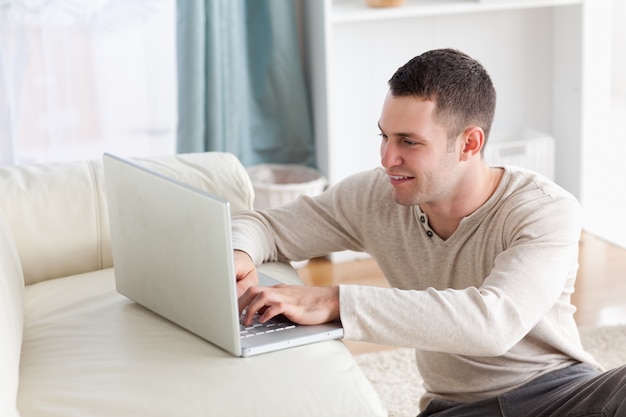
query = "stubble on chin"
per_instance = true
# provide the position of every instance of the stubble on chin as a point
(404, 199)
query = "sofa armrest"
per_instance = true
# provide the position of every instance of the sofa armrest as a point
(11, 320)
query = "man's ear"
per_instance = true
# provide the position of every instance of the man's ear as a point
(473, 141)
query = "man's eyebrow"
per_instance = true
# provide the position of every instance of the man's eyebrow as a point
(403, 134)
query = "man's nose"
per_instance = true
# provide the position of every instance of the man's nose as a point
(389, 155)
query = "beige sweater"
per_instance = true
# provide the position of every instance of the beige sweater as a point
(487, 310)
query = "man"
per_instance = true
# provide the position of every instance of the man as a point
(482, 260)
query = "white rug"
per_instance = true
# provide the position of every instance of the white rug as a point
(394, 375)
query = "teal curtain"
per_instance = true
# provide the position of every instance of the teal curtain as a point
(241, 83)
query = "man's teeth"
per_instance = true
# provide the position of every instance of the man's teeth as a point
(398, 177)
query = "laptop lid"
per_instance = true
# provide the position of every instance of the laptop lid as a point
(172, 252)
(171, 249)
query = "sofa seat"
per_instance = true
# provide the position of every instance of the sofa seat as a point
(88, 350)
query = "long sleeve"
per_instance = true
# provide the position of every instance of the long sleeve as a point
(307, 227)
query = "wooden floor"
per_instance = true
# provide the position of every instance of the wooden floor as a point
(600, 295)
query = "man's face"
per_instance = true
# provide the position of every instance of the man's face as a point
(415, 153)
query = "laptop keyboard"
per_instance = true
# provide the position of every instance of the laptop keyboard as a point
(276, 324)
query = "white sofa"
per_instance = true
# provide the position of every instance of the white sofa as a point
(70, 345)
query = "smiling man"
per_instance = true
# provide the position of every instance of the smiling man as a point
(481, 260)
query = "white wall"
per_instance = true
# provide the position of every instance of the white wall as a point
(618, 49)
(603, 168)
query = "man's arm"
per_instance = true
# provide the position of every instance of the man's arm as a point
(304, 228)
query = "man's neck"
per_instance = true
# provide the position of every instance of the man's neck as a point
(444, 217)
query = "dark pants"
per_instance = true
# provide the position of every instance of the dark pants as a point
(576, 391)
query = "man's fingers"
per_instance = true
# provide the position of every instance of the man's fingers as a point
(262, 301)
(271, 312)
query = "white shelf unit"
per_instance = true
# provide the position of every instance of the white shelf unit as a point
(533, 50)
(357, 10)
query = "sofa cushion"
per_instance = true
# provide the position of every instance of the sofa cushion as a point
(11, 320)
(58, 213)
(90, 351)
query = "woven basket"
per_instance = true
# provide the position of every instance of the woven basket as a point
(277, 184)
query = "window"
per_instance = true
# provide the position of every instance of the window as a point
(79, 78)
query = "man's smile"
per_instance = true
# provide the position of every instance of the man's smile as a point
(399, 179)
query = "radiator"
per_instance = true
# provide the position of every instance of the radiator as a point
(528, 149)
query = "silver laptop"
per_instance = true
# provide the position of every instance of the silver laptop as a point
(172, 252)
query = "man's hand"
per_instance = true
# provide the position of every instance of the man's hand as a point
(299, 303)
(245, 272)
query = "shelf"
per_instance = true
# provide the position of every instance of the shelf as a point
(536, 50)
(345, 11)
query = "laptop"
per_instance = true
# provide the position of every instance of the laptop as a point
(173, 254)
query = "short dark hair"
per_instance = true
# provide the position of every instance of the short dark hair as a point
(459, 86)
